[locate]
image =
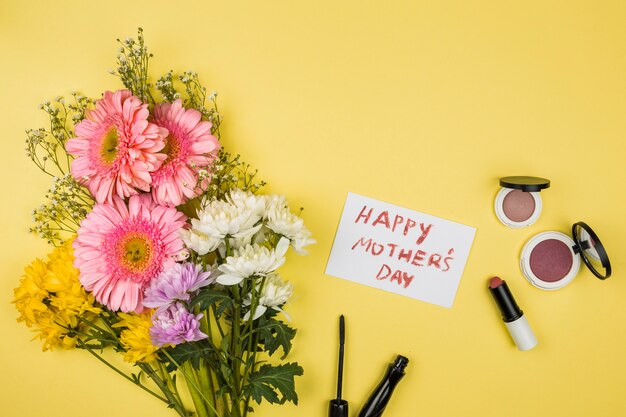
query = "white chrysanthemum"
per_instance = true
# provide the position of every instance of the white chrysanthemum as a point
(301, 239)
(276, 292)
(198, 242)
(275, 202)
(282, 221)
(252, 260)
(219, 219)
(248, 201)
(236, 218)
(240, 242)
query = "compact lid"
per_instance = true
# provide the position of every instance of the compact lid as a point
(528, 184)
(591, 250)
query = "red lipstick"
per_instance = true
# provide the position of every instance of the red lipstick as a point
(512, 315)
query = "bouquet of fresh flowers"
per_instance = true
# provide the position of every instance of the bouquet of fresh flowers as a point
(165, 250)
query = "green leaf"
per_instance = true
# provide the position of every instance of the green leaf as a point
(270, 381)
(192, 352)
(225, 343)
(226, 372)
(210, 296)
(224, 389)
(274, 333)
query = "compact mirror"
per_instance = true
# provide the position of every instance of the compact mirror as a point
(591, 250)
(551, 260)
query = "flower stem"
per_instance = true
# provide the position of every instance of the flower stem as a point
(252, 335)
(194, 390)
(174, 402)
(205, 370)
(217, 321)
(206, 382)
(169, 381)
(227, 244)
(98, 328)
(189, 377)
(85, 346)
(236, 352)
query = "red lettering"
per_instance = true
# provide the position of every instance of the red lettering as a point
(445, 261)
(424, 233)
(407, 279)
(396, 221)
(434, 259)
(448, 259)
(397, 276)
(366, 216)
(402, 278)
(382, 218)
(410, 223)
(419, 256)
(406, 255)
(363, 242)
(393, 247)
(383, 275)
(377, 252)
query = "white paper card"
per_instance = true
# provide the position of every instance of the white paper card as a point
(400, 250)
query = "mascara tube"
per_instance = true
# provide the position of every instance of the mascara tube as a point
(378, 400)
(512, 315)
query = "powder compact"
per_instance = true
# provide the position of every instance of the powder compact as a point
(551, 260)
(518, 204)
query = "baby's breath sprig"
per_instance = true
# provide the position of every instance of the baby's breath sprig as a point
(46, 147)
(229, 172)
(214, 116)
(132, 66)
(67, 204)
(79, 107)
(165, 85)
(195, 96)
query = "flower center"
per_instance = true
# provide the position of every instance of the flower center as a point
(108, 151)
(171, 148)
(136, 251)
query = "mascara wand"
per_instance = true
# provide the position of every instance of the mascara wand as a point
(339, 407)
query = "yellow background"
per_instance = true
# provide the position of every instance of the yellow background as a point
(424, 104)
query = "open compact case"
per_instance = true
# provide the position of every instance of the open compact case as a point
(518, 204)
(551, 260)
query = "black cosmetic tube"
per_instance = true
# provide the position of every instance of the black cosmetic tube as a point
(378, 400)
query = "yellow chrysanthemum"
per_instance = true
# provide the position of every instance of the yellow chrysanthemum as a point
(136, 337)
(50, 298)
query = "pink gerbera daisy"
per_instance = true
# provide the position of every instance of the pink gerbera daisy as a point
(116, 148)
(190, 146)
(120, 249)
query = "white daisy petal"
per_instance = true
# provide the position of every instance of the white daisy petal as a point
(226, 279)
(258, 312)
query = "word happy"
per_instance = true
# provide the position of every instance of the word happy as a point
(414, 257)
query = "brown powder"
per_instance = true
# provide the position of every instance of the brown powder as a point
(518, 205)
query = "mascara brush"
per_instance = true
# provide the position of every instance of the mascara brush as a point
(339, 407)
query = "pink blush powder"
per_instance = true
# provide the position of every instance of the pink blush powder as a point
(518, 205)
(551, 260)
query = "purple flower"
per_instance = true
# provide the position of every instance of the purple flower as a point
(176, 284)
(175, 325)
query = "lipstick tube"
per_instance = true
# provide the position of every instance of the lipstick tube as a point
(512, 315)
